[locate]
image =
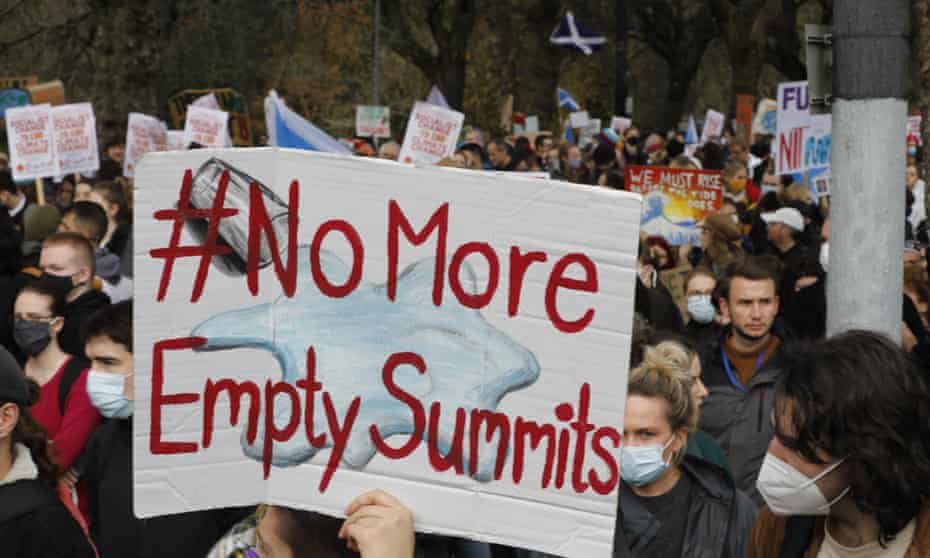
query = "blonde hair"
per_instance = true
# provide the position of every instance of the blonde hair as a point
(665, 373)
(796, 192)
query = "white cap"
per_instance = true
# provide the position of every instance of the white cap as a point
(787, 216)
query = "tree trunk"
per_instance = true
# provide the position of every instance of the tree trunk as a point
(538, 65)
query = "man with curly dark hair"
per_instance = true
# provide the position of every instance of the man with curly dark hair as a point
(848, 471)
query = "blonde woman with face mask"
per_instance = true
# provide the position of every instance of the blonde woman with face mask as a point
(673, 503)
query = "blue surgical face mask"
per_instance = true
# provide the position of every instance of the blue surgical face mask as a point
(642, 465)
(912, 151)
(574, 163)
(701, 308)
(107, 392)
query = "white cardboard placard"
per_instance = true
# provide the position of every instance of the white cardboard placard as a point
(373, 121)
(620, 123)
(431, 134)
(175, 140)
(75, 130)
(803, 141)
(32, 142)
(713, 126)
(580, 119)
(208, 127)
(482, 348)
(144, 133)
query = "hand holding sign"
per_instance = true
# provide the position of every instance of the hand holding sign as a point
(378, 526)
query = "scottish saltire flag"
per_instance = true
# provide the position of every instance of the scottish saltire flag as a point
(691, 136)
(567, 101)
(569, 133)
(573, 34)
(286, 128)
(436, 97)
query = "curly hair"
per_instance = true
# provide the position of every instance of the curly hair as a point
(29, 433)
(858, 396)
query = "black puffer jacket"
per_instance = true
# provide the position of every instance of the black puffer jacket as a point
(720, 517)
(34, 523)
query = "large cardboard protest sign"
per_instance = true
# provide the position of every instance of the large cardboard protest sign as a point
(75, 132)
(803, 142)
(675, 200)
(373, 121)
(205, 126)
(32, 143)
(431, 134)
(455, 338)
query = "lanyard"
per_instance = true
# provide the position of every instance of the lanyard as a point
(726, 365)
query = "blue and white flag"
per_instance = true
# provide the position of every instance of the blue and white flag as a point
(436, 97)
(286, 128)
(573, 34)
(567, 101)
(691, 136)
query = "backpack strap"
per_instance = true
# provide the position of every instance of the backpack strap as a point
(799, 531)
(25, 496)
(72, 372)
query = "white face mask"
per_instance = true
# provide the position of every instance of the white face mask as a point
(107, 392)
(788, 491)
(642, 465)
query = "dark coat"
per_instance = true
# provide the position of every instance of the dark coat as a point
(106, 468)
(720, 517)
(76, 313)
(34, 523)
(805, 311)
(738, 420)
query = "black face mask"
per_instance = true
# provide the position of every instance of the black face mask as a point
(32, 336)
(632, 141)
(62, 284)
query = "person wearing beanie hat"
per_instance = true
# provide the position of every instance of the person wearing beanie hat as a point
(39, 222)
(720, 240)
(33, 520)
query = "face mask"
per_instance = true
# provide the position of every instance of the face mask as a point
(788, 491)
(32, 336)
(107, 393)
(574, 163)
(701, 309)
(641, 465)
(912, 151)
(57, 282)
(737, 184)
(824, 255)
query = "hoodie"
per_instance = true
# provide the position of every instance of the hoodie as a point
(76, 313)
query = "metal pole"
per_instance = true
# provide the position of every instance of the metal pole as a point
(871, 55)
(376, 69)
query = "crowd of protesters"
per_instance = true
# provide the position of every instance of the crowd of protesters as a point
(746, 433)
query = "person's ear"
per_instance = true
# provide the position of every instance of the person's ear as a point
(58, 324)
(725, 309)
(9, 417)
(85, 275)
